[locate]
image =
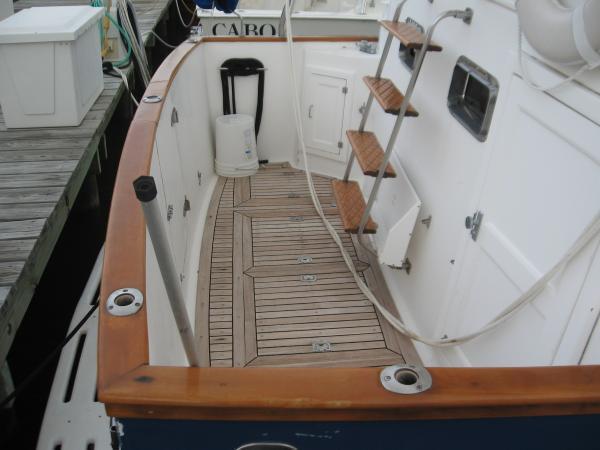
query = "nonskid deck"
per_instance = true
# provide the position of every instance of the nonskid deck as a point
(273, 288)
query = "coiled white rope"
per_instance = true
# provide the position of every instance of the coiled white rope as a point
(588, 234)
(585, 65)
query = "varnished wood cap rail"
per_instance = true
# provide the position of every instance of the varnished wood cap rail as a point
(350, 394)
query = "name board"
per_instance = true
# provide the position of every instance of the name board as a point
(251, 29)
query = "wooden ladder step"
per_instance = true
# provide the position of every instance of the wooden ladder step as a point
(369, 153)
(388, 96)
(409, 35)
(351, 206)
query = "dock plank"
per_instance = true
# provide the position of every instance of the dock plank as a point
(20, 229)
(34, 180)
(16, 249)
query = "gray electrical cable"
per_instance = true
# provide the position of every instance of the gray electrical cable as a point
(527, 297)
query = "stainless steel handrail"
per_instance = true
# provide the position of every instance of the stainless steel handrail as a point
(466, 16)
(365, 114)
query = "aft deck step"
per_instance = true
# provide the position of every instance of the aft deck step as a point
(388, 96)
(409, 35)
(369, 153)
(351, 206)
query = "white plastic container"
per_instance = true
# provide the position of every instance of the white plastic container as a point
(236, 146)
(50, 65)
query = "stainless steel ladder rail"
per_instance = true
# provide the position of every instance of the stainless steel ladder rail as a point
(386, 50)
(465, 15)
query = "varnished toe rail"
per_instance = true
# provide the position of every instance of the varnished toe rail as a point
(132, 388)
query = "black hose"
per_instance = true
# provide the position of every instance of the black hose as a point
(36, 372)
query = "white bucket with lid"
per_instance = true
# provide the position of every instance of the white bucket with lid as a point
(236, 146)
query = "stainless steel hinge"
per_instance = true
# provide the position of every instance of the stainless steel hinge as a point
(340, 144)
(174, 116)
(186, 205)
(344, 89)
(199, 179)
(169, 212)
(473, 223)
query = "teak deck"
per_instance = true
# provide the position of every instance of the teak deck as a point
(280, 293)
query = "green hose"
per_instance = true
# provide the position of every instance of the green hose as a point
(125, 60)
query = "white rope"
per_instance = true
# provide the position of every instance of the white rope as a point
(190, 10)
(527, 76)
(181, 16)
(126, 82)
(161, 40)
(590, 231)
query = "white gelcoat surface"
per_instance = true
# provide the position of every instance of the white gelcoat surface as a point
(182, 152)
(449, 169)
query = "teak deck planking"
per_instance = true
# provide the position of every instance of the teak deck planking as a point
(41, 173)
(261, 311)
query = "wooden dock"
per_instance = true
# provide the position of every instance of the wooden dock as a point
(41, 173)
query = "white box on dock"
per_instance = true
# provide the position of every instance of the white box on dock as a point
(50, 65)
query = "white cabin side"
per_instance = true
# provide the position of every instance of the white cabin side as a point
(536, 180)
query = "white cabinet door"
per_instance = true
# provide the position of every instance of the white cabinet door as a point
(541, 190)
(325, 110)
